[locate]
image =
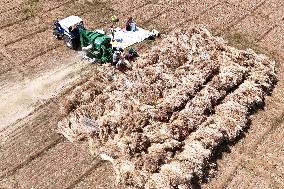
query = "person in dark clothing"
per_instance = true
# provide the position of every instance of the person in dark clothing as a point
(130, 25)
(112, 32)
(118, 60)
(58, 26)
(58, 31)
(131, 55)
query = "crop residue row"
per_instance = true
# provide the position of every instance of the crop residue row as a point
(160, 122)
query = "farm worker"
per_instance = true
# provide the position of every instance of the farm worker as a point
(131, 55)
(130, 25)
(156, 32)
(58, 31)
(56, 22)
(112, 32)
(114, 18)
(117, 59)
(57, 26)
(119, 64)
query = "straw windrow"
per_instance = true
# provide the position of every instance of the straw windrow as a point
(160, 123)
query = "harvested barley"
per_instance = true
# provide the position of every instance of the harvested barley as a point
(160, 122)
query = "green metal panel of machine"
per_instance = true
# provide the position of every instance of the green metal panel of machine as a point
(101, 47)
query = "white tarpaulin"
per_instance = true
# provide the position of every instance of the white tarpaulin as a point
(123, 38)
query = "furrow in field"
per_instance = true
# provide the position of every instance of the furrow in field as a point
(28, 11)
(35, 45)
(8, 5)
(100, 177)
(61, 165)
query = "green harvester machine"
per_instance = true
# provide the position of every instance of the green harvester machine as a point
(72, 30)
(96, 44)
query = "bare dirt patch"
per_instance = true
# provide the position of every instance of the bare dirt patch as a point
(25, 96)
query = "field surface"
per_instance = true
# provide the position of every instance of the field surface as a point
(37, 72)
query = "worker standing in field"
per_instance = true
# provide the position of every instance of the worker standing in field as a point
(58, 31)
(118, 60)
(56, 23)
(112, 32)
(116, 56)
(131, 55)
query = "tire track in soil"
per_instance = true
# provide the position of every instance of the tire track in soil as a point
(11, 4)
(134, 6)
(261, 171)
(33, 47)
(28, 13)
(195, 20)
(46, 25)
(85, 174)
(167, 9)
(152, 19)
(34, 69)
(13, 131)
(267, 33)
(186, 21)
(245, 16)
(172, 8)
(67, 159)
(68, 162)
(35, 139)
(5, 65)
(11, 171)
(155, 16)
(9, 141)
(31, 34)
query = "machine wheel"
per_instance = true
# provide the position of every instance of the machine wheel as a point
(57, 35)
(70, 43)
